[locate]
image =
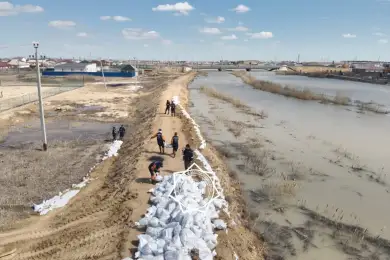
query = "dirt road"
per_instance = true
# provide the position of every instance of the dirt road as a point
(99, 222)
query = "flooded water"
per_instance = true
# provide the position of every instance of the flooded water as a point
(57, 130)
(355, 90)
(324, 168)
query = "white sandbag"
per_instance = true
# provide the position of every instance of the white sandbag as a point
(154, 222)
(164, 218)
(154, 232)
(176, 242)
(171, 255)
(167, 234)
(159, 249)
(177, 215)
(146, 250)
(204, 251)
(177, 230)
(144, 240)
(187, 237)
(219, 224)
(197, 231)
(187, 221)
(171, 207)
(174, 227)
(143, 222)
(158, 178)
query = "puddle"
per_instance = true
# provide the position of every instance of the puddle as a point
(117, 84)
(90, 108)
(61, 130)
(314, 189)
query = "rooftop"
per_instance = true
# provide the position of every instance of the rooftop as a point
(77, 66)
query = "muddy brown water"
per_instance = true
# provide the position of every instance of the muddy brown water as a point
(364, 92)
(318, 187)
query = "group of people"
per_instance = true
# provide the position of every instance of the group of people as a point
(187, 152)
(121, 131)
(170, 105)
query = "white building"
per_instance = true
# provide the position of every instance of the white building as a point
(19, 64)
(186, 69)
(76, 67)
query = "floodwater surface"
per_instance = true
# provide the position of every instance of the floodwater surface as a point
(57, 130)
(312, 174)
(355, 90)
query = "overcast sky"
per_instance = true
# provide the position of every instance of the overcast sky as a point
(198, 29)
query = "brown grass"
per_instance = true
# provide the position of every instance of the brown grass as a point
(211, 92)
(27, 176)
(319, 69)
(257, 163)
(304, 94)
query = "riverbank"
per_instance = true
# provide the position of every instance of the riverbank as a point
(313, 189)
(347, 75)
(308, 95)
(240, 240)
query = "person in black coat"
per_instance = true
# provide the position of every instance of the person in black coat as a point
(122, 132)
(168, 105)
(175, 144)
(154, 168)
(173, 109)
(160, 140)
(188, 156)
(114, 133)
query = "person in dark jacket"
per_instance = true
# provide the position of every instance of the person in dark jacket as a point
(122, 132)
(114, 133)
(160, 140)
(154, 168)
(175, 144)
(168, 105)
(188, 156)
(173, 109)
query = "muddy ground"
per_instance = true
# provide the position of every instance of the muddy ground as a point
(78, 126)
(99, 222)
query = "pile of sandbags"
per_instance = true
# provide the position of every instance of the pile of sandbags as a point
(180, 220)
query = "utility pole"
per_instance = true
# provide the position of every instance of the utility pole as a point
(41, 111)
(104, 78)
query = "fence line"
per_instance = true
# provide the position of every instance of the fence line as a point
(10, 103)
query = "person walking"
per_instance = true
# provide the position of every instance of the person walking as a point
(154, 168)
(175, 144)
(114, 133)
(188, 156)
(122, 132)
(173, 109)
(160, 140)
(168, 105)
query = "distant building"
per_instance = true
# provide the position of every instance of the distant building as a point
(76, 67)
(5, 66)
(186, 69)
(129, 69)
(21, 64)
(368, 70)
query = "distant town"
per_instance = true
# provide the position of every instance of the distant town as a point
(362, 70)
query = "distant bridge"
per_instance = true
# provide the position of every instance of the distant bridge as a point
(213, 67)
